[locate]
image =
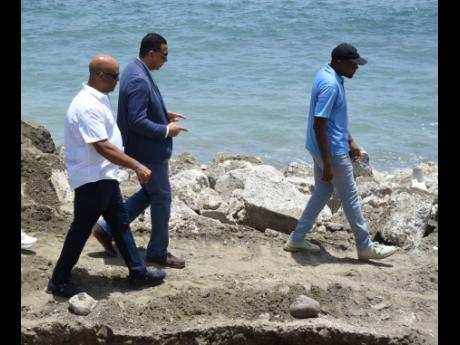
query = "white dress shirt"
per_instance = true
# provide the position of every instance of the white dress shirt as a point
(89, 119)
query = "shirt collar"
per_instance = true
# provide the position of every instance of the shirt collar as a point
(331, 70)
(96, 93)
(143, 63)
(146, 68)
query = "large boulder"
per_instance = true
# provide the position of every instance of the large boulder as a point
(183, 161)
(301, 176)
(225, 162)
(398, 215)
(261, 197)
(407, 217)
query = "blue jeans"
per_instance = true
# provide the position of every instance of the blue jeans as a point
(345, 185)
(91, 201)
(156, 193)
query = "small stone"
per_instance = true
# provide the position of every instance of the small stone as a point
(82, 304)
(386, 317)
(304, 307)
(284, 290)
(271, 233)
(334, 227)
(379, 306)
(321, 229)
(265, 316)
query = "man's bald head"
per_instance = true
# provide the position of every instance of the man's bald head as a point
(103, 73)
(102, 63)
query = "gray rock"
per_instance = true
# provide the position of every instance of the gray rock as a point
(362, 167)
(187, 185)
(225, 162)
(219, 214)
(61, 186)
(271, 233)
(265, 199)
(222, 157)
(305, 185)
(297, 169)
(209, 199)
(407, 217)
(304, 307)
(82, 304)
(38, 135)
(183, 161)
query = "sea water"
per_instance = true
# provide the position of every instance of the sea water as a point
(241, 71)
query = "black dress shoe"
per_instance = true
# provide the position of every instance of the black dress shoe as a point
(168, 260)
(64, 290)
(148, 278)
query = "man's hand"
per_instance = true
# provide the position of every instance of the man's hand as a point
(327, 172)
(143, 173)
(174, 117)
(175, 129)
(355, 152)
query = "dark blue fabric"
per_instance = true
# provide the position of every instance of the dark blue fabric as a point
(157, 194)
(91, 201)
(142, 116)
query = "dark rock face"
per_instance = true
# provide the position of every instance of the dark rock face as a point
(38, 135)
(39, 201)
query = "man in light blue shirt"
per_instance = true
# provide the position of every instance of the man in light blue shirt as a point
(333, 150)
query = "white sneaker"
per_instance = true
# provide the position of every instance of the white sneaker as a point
(26, 240)
(377, 251)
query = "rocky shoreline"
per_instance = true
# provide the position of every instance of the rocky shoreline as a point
(230, 219)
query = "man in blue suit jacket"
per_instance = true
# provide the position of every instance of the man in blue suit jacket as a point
(147, 130)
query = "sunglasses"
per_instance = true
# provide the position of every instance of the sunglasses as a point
(164, 56)
(113, 75)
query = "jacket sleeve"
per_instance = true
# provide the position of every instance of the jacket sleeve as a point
(138, 121)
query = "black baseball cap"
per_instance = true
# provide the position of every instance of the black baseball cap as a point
(345, 51)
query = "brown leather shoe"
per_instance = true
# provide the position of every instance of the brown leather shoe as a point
(168, 260)
(105, 239)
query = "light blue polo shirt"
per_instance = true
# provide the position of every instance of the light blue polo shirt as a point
(328, 100)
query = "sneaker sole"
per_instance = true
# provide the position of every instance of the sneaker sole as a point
(376, 258)
(27, 246)
(290, 249)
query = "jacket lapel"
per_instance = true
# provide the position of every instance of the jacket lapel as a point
(154, 86)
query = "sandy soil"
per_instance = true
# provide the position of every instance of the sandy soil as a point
(236, 289)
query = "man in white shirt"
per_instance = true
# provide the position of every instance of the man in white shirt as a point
(93, 151)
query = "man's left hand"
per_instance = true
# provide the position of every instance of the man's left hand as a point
(355, 152)
(174, 117)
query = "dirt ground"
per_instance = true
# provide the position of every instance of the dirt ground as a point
(236, 289)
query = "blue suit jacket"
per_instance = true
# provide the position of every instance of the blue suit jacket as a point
(142, 116)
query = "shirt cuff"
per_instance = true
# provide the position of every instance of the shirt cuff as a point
(167, 132)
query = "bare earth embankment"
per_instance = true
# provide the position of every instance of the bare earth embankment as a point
(238, 283)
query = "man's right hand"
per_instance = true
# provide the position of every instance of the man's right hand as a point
(327, 172)
(174, 129)
(143, 174)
